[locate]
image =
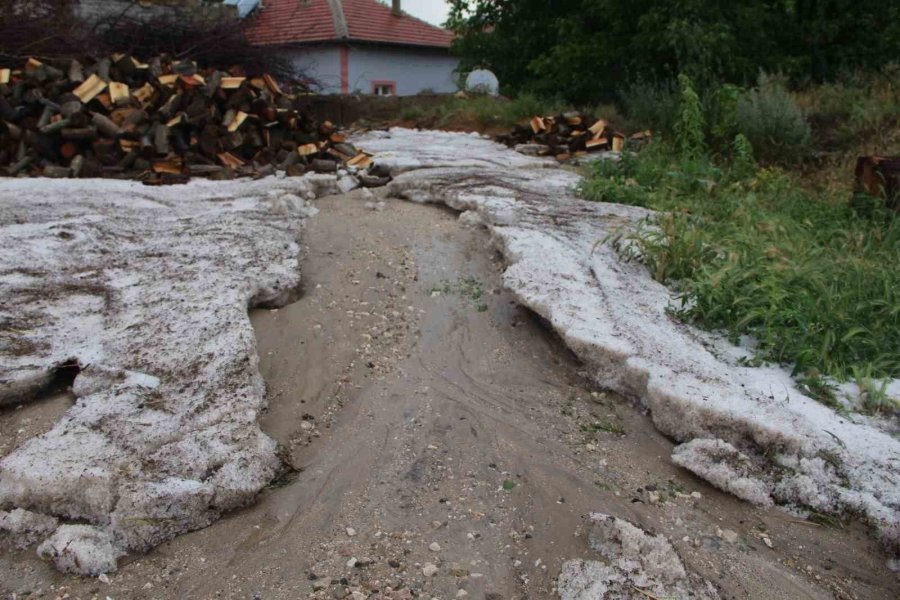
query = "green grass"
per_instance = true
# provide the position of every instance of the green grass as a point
(812, 279)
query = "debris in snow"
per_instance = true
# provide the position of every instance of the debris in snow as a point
(145, 290)
(637, 565)
(614, 316)
(25, 528)
(81, 549)
(725, 467)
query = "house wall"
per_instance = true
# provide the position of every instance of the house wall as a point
(412, 69)
(322, 64)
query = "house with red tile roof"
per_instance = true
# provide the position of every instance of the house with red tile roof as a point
(358, 46)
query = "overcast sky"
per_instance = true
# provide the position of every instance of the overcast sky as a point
(433, 11)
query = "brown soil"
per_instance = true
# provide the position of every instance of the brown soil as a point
(422, 406)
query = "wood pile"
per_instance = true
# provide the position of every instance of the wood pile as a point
(567, 136)
(162, 121)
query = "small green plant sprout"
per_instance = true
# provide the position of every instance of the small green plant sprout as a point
(690, 126)
(509, 485)
(815, 386)
(873, 395)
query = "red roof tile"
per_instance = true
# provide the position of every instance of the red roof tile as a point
(286, 21)
(301, 21)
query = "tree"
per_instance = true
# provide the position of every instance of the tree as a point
(583, 50)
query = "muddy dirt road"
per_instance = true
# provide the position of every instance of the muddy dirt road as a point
(447, 446)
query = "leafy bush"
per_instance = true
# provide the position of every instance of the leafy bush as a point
(773, 123)
(651, 105)
(754, 253)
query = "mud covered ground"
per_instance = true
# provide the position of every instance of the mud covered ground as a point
(447, 445)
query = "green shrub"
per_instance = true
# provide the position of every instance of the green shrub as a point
(773, 123)
(720, 109)
(651, 106)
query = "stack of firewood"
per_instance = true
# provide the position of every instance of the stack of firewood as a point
(567, 136)
(162, 121)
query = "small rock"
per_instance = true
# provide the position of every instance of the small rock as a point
(434, 547)
(351, 532)
(104, 578)
(429, 569)
(462, 594)
(352, 562)
(727, 535)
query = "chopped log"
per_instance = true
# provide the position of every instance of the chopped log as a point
(232, 83)
(57, 172)
(237, 121)
(76, 72)
(323, 166)
(597, 128)
(372, 181)
(77, 165)
(161, 139)
(307, 150)
(89, 90)
(105, 125)
(118, 93)
(79, 133)
(230, 160)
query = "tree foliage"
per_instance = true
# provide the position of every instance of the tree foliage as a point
(584, 49)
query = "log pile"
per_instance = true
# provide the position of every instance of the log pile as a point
(162, 121)
(567, 136)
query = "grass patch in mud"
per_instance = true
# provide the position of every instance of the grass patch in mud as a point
(468, 288)
(810, 276)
